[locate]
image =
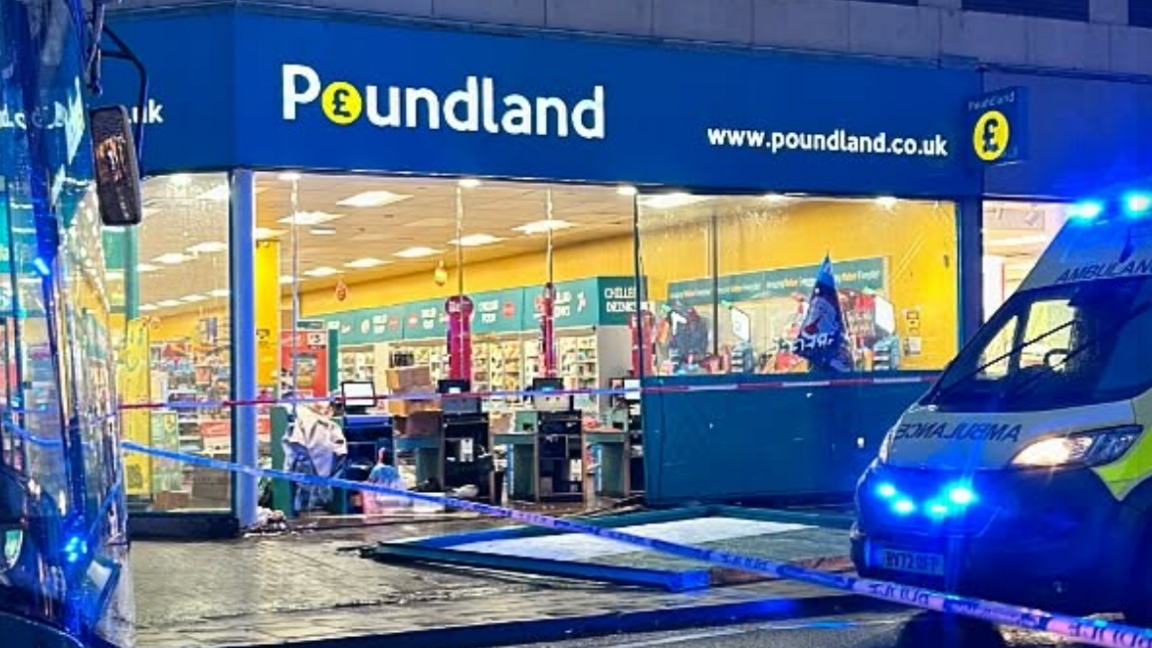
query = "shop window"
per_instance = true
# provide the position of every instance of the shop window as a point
(779, 285)
(366, 272)
(180, 341)
(1060, 9)
(1015, 235)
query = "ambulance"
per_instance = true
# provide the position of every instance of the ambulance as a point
(1024, 475)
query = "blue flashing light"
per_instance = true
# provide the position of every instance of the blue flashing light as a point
(886, 490)
(74, 549)
(41, 267)
(1138, 203)
(904, 507)
(961, 495)
(1087, 210)
(937, 510)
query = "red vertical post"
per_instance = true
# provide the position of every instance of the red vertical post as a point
(459, 310)
(548, 331)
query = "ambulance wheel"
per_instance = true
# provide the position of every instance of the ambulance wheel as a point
(1138, 607)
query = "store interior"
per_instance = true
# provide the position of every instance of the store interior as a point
(353, 274)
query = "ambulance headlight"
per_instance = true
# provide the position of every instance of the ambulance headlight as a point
(1094, 448)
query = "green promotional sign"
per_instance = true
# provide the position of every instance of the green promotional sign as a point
(616, 299)
(858, 274)
(425, 319)
(370, 325)
(499, 311)
(608, 301)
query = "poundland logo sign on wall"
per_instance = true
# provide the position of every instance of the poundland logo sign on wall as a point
(477, 106)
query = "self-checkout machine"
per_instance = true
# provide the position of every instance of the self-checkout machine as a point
(617, 449)
(545, 447)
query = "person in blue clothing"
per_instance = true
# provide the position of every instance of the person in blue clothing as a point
(386, 475)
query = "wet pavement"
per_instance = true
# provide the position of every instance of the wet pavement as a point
(295, 589)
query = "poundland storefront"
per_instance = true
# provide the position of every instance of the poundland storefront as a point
(313, 170)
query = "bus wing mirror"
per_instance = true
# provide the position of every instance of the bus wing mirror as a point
(117, 170)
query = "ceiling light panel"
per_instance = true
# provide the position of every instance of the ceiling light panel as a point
(417, 252)
(671, 201)
(543, 226)
(475, 240)
(172, 258)
(373, 199)
(366, 262)
(307, 218)
(208, 247)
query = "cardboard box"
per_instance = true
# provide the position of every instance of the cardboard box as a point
(410, 407)
(171, 500)
(401, 379)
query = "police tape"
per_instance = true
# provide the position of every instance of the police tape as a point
(1096, 632)
(529, 393)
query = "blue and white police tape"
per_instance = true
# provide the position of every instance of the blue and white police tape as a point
(1096, 632)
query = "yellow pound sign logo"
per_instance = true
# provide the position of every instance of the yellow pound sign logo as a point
(991, 135)
(342, 103)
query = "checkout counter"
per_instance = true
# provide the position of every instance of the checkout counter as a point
(450, 447)
(545, 448)
(618, 449)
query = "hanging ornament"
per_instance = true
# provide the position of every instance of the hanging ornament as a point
(341, 290)
(440, 275)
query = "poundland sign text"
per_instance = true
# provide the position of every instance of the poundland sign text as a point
(474, 108)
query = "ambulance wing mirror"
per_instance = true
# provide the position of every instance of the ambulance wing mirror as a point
(117, 169)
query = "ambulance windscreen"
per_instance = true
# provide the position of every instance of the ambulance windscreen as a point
(1058, 346)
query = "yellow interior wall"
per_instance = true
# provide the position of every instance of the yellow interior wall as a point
(916, 240)
(610, 257)
(183, 325)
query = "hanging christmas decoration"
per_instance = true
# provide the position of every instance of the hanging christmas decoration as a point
(440, 274)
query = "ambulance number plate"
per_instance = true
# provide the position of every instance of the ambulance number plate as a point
(910, 562)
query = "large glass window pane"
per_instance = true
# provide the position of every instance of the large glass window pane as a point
(739, 284)
(368, 270)
(183, 341)
(1015, 234)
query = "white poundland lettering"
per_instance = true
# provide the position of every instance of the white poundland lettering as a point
(153, 113)
(476, 107)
